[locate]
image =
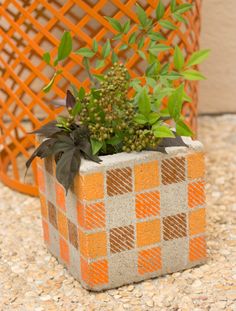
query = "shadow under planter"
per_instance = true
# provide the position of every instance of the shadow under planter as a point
(133, 217)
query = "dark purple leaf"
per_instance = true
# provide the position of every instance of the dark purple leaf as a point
(48, 130)
(68, 166)
(70, 100)
(43, 151)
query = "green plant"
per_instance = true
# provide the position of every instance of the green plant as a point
(121, 113)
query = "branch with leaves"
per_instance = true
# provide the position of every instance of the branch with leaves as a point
(106, 119)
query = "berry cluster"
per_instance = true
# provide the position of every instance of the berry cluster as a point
(108, 112)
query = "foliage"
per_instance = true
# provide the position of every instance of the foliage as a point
(122, 113)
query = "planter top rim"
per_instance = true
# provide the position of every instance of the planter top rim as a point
(120, 159)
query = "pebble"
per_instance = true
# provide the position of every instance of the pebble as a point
(150, 303)
(32, 279)
(45, 298)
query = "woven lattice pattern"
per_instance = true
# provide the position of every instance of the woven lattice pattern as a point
(27, 29)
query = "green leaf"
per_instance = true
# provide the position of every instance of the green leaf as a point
(95, 46)
(160, 11)
(198, 57)
(193, 75)
(74, 90)
(126, 27)
(96, 145)
(151, 82)
(159, 48)
(114, 23)
(152, 69)
(99, 77)
(141, 43)
(165, 113)
(85, 52)
(167, 25)
(65, 46)
(106, 49)
(180, 18)
(123, 47)
(178, 58)
(48, 87)
(141, 54)
(100, 63)
(175, 102)
(81, 93)
(173, 5)
(162, 131)
(165, 69)
(76, 109)
(172, 75)
(140, 119)
(114, 141)
(187, 98)
(182, 129)
(47, 58)
(144, 102)
(135, 83)
(142, 16)
(132, 38)
(86, 63)
(163, 92)
(114, 57)
(156, 36)
(182, 8)
(117, 37)
(153, 117)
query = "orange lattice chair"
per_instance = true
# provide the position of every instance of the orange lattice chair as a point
(30, 27)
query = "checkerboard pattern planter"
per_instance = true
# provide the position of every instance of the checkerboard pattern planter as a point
(132, 217)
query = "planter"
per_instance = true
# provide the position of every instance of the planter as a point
(133, 217)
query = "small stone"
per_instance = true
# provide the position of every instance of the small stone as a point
(130, 288)
(196, 283)
(150, 303)
(117, 296)
(45, 298)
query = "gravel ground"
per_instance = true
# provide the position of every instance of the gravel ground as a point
(31, 279)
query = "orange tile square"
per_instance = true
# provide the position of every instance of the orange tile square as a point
(44, 208)
(91, 216)
(147, 204)
(80, 213)
(197, 221)
(41, 179)
(149, 260)
(93, 245)
(146, 176)
(196, 165)
(196, 194)
(60, 196)
(197, 249)
(64, 251)
(148, 232)
(62, 224)
(89, 187)
(46, 235)
(95, 273)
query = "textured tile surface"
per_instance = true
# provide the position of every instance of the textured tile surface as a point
(126, 221)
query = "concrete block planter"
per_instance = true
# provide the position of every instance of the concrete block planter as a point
(132, 217)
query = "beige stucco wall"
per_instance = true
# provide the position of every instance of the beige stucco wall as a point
(218, 93)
